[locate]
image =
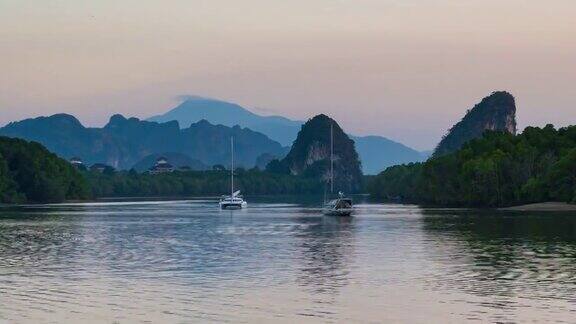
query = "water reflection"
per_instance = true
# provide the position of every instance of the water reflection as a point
(326, 245)
(502, 254)
(30, 241)
(187, 261)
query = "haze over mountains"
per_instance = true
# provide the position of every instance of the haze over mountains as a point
(195, 109)
(124, 142)
(376, 152)
(199, 129)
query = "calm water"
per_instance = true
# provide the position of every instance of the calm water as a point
(186, 261)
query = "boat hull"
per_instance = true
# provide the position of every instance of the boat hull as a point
(344, 212)
(232, 205)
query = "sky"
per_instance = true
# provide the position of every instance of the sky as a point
(404, 69)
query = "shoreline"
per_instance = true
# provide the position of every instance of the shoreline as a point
(546, 206)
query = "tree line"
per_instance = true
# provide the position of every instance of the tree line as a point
(30, 173)
(195, 183)
(499, 169)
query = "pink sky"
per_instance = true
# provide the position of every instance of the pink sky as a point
(405, 69)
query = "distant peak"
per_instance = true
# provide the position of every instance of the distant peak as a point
(323, 120)
(185, 98)
(194, 101)
(55, 121)
(496, 112)
(311, 152)
(499, 98)
(58, 115)
(116, 120)
(321, 117)
(203, 122)
(64, 118)
(502, 94)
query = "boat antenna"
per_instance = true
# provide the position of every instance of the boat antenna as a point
(232, 167)
(331, 157)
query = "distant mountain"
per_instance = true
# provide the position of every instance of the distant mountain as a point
(263, 160)
(178, 160)
(280, 129)
(310, 155)
(124, 142)
(376, 152)
(496, 112)
(426, 154)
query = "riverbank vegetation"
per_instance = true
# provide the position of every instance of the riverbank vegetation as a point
(30, 173)
(497, 170)
(195, 183)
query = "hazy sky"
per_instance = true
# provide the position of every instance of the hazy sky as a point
(406, 69)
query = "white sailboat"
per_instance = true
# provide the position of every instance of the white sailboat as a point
(234, 200)
(341, 206)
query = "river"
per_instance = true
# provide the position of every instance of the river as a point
(185, 261)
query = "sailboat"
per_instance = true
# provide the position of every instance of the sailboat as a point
(341, 206)
(234, 200)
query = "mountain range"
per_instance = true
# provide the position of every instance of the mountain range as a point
(376, 152)
(123, 142)
(198, 130)
(194, 109)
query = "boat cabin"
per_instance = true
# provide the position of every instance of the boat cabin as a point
(340, 203)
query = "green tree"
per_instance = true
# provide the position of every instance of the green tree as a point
(499, 169)
(28, 172)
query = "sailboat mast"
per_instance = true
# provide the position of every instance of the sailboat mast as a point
(232, 167)
(331, 157)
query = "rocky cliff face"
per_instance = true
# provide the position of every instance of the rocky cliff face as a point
(310, 155)
(496, 112)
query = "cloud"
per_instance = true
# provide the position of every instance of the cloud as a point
(264, 110)
(186, 97)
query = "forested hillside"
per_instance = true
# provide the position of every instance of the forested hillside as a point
(499, 169)
(497, 112)
(30, 173)
(309, 156)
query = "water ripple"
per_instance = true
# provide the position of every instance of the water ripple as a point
(187, 261)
